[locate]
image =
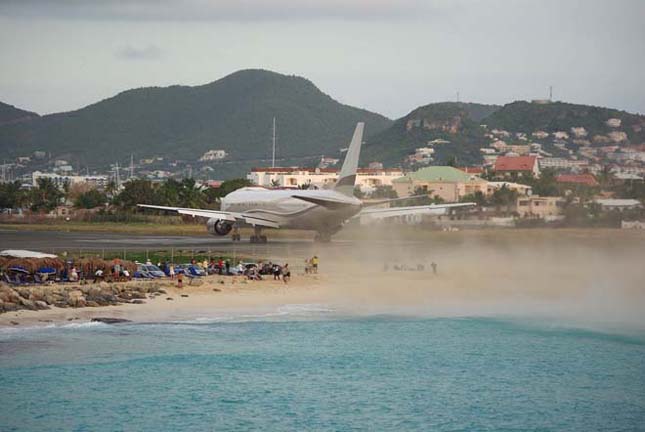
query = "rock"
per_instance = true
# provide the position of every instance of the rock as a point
(137, 301)
(61, 304)
(196, 282)
(37, 294)
(184, 295)
(90, 303)
(41, 305)
(24, 292)
(10, 307)
(14, 322)
(217, 290)
(169, 298)
(137, 295)
(110, 320)
(162, 291)
(76, 298)
(28, 304)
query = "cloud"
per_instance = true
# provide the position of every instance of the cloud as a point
(128, 52)
(218, 10)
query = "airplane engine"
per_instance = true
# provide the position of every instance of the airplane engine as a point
(219, 227)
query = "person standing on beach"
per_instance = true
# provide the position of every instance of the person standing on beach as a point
(434, 267)
(314, 264)
(171, 271)
(286, 273)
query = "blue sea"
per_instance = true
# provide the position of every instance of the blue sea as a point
(322, 371)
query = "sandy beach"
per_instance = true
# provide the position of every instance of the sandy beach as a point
(579, 275)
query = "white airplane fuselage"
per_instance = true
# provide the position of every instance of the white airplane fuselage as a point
(280, 206)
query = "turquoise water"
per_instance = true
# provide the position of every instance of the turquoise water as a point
(325, 372)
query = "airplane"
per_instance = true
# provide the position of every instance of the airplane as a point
(324, 211)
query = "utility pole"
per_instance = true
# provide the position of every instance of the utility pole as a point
(117, 180)
(273, 151)
(131, 165)
(551, 93)
(457, 95)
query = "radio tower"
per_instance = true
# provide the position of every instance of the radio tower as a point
(273, 148)
(117, 180)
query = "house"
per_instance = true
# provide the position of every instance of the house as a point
(448, 183)
(505, 165)
(521, 189)
(539, 207)
(577, 179)
(366, 179)
(212, 155)
(609, 204)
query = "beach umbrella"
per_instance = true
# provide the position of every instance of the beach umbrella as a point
(46, 270)
(19, 269)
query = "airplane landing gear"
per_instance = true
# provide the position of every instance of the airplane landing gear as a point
(257, 236)
(323, 237)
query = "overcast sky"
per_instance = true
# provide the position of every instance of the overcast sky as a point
(386, 56)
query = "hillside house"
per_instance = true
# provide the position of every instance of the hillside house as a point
(519, 165)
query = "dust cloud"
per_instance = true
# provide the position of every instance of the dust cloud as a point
(588, 276)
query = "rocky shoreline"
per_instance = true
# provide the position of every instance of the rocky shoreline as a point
(77, 296)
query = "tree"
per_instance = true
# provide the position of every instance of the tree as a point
(135, 192)
(478, 198)
(306, 186)
(504, 197)
(229, 186)
(545, 185)
(46, 196)
(12, 195)
(190, 195)
(90, 199)
(384, 192)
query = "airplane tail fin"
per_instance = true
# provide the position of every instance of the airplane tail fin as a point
(347, 177)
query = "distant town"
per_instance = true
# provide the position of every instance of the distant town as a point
(527, 178)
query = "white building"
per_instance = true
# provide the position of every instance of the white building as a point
(61, 180)
(366, 179)
(561, 163)
(212, 155)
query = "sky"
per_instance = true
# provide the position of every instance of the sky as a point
(385, 56)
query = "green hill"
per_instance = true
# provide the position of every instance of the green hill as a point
(522, 116)
(451, 121)
(460, 123)
(178, 122)
(11, 114)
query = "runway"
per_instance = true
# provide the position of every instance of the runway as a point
(58, 241)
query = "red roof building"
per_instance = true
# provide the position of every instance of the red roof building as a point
(517, 164)
(583, 179)
(477, 170)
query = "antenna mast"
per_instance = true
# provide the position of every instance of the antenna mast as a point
(273, 151)
(117, 179)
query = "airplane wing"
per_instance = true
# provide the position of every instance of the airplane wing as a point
(326, 202)
(229, 216)
(431, 209)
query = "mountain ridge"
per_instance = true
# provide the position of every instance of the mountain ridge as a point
(233, 113)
